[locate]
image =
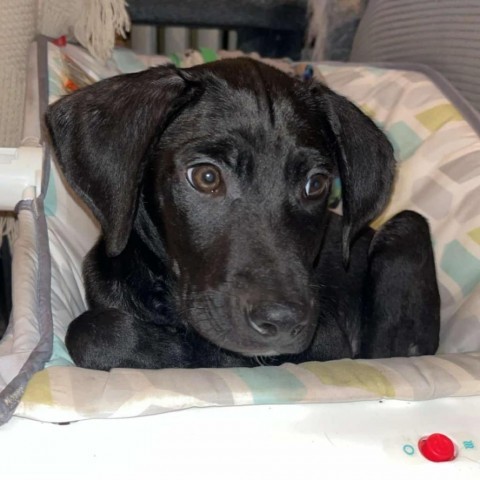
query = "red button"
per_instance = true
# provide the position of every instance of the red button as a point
(437, 448)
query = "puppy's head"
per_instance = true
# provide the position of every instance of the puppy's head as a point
(232, 162)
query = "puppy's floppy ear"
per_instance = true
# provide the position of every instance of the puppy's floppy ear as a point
(100, 135)
(366, 165)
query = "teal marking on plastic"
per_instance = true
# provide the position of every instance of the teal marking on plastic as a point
(468, 444)
(409, 449)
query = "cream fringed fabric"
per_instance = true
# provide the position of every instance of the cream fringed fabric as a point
(93, 22)
(98, 24)
(17, 29)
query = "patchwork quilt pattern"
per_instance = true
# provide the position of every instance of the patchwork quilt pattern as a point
(438, 154)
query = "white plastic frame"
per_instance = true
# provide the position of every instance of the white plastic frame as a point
(20, 175)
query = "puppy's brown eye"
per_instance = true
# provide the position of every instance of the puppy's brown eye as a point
(315, 186)
(205, 178)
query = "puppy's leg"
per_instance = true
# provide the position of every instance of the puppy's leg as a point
(110, 338)
(401, 314)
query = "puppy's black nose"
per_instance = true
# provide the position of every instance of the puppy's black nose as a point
(277, 320)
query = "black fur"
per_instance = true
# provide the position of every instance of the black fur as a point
(184, 277)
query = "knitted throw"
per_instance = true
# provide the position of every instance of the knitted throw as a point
(94, 23)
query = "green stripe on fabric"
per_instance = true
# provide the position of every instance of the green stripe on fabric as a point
(208, 54)
(175, 59)
(270, 385)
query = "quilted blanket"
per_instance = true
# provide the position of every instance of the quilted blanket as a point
(437, 144)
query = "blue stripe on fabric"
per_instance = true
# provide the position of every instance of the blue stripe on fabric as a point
(460, 265)
(270, 385)
(50, 201)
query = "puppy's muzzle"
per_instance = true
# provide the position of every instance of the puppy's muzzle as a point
(278, 323)
(278, 328)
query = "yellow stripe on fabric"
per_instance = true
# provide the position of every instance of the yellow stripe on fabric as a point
(436, 117)
(351, 373)
(367, 110)
(475, 235)
(38, 389)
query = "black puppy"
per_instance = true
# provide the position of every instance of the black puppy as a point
(211, 187)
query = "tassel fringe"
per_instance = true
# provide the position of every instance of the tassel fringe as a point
(100, 21)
